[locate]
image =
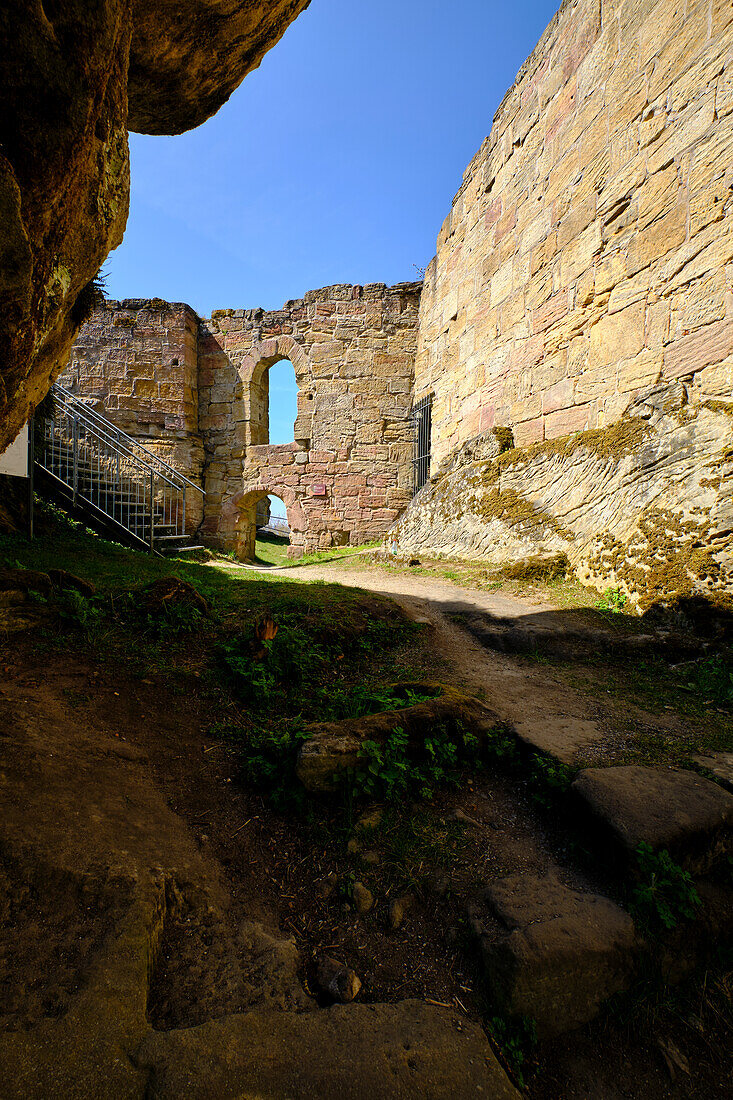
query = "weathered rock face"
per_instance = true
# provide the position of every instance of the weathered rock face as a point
(64, 181)
(644, 504)
(185, 63)
(64, 167)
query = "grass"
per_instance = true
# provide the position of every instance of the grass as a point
(271, 549)
(695, 691)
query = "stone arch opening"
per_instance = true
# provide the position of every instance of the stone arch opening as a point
(260, 388)
(269, 521)
(281, 411)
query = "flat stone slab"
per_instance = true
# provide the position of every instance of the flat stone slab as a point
(720, 764)
(564, 954)
(678, 810)
(348, 1052)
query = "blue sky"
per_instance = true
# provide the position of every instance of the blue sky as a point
(335, 162)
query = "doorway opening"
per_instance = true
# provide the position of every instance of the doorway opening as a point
(273, 531)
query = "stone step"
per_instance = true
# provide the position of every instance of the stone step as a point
(689, 816)
(348, 1052)
(553, 953)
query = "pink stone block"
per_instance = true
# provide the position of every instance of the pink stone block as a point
(576, 419)
(700, 349)
(529, 431)
(559, 396)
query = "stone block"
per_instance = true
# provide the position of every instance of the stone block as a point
(700, 349)
(690, 817)
(567, 421)
(563, 952)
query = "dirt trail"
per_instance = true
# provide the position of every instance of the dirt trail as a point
(544, 712)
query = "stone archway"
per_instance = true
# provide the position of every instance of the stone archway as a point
(253, 370)
(244, 507)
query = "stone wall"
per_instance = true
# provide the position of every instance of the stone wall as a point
(197, 391)
(588, 253)
(346, 476)
(136, 362)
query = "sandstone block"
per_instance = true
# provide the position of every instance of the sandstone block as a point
(563, 953)
(679, 811)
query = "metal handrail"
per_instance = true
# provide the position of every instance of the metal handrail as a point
(87, 412)
(110, 472)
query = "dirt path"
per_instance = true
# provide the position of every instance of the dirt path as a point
(544, 712)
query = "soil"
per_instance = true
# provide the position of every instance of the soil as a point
(62, 709)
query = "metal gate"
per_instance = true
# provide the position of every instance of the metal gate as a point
(422, 421)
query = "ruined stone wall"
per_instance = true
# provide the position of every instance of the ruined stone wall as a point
(588, 253)
(197, 391)
(136, 362)
(346, 476)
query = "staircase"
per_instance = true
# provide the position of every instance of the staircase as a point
(110, 478)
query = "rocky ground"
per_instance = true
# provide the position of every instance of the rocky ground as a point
(171, 931)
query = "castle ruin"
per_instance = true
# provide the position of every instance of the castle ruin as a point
(583, 276)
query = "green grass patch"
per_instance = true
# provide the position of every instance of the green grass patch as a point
(271, 549)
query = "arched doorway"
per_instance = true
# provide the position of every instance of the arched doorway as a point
(272, 540)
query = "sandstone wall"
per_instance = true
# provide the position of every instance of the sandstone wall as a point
(588, 253)
(346, 476)
(197, 391)
(136, 362)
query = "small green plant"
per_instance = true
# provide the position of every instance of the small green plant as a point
(81, 612)
(501, 745)
(612, 599)
(267, 760)
(549, 779)
(388, 770)
(712, 679)
(665, 893)
(517, 1041)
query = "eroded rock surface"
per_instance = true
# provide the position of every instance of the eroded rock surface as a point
(644, 504)
(64, 165)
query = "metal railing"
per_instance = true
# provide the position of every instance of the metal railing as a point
(421, 419)
(110, 472)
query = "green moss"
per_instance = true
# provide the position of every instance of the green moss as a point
(724, 407)
(616, 441)
(504, 437)
(515, 510)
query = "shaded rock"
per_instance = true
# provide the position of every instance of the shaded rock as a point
(720, 764)
(327, 885)
(334, 746)
(398, 907)
(183, 67)
(25, 580)
(60, 578)
(337, 980)
(408, 1049)
(370, 820)
(678, 810)
(363, 898)
(563, 954)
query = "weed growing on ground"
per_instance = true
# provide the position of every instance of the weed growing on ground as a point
(665, 894)
(612, 599)
(388, 771)
(711, 678)
(549, 779)
(517, 1041)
